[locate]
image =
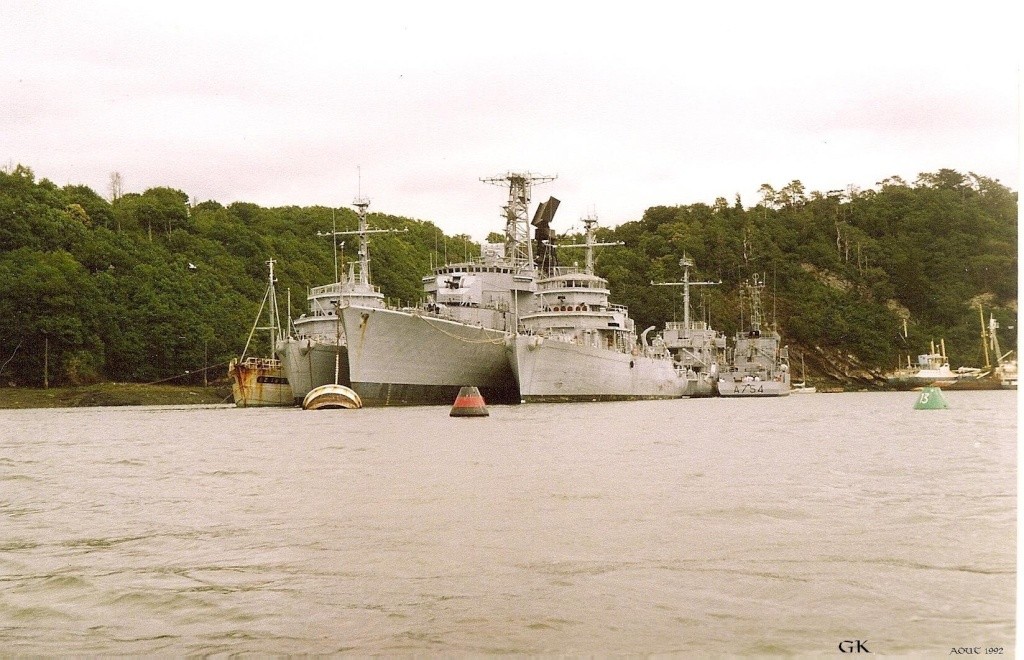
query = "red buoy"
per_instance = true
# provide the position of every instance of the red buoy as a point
(469, 403)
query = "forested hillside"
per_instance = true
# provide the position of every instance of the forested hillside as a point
(148, 286)
(841, 269)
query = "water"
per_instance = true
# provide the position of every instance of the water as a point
(705, 526)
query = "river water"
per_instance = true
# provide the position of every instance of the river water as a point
(752, 527)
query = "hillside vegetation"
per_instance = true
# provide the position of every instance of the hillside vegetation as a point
(148, 286)
(842, 269)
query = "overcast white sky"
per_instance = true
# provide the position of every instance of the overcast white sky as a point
(630, 104)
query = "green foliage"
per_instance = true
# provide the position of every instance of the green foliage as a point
(837, 265)
(149, 287)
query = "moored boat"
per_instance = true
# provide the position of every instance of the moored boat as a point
(314, 353)
(1006, 368)
(577, 346)
(802, 387)
(694, 345)
(426, 354)
(931, 369)
(760, 364)
(261, 381)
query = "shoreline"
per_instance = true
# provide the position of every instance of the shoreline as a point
(140, 394)
(113, 394)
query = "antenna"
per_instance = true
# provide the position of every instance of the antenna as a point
(590, 223)
(775, 319)
(362, 203)
(687, 263)
(334, 230)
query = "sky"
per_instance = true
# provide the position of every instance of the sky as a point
(630, 105)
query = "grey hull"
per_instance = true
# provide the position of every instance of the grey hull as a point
(701, 388)
(766, 388)
(559, 371)
(308, 365)
(405, 358)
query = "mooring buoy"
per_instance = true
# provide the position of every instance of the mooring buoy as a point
(931, 399)
(469, 403)
(331, 396)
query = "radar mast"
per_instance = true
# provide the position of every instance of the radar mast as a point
(518, 247)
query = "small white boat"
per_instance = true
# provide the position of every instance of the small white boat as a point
(802, 387)
(331, 396)
(1006, 369)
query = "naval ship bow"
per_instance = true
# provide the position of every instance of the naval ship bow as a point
(314, 353)
(760, 364)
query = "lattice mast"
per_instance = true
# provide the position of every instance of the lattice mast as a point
(518, 247)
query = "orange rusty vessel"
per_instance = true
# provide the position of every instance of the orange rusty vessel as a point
(260, 381)
(257, 381)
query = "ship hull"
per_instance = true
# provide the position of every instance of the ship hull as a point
(554, 371)
(256, 384)
(407, 358)
(702, 387)
(309, 364)
(757, 388)
(969, 384)
(907, 383)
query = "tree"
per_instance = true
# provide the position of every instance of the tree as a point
(115, 187)
(792, 194)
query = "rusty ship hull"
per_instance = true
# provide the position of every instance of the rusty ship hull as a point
(257, 382)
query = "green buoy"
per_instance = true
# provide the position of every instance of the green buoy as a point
(931, 399)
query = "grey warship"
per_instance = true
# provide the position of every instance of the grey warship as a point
(760, 364)
(577, 346)
(423, 355)
(314, 352)
(694, 345)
